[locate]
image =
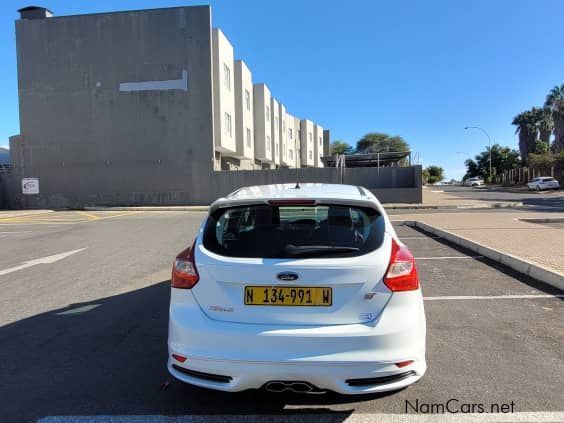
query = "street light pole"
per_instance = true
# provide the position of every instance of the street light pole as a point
(489, 145)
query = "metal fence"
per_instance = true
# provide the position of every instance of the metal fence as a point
(522, 175)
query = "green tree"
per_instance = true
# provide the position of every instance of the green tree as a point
(340, 147)
(503, 158)
(434, 174)
(543, 161)
(379, 143)
(527, 130)
(541, 147)
(542, 117)
(555, 102)
(472, 169)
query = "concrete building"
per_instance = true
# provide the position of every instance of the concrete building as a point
(244, 118)
(289, 140)
(275, 130)
(262, 120)
(298, 140)
(306, 143)
(149, 107)
(318, 150)
(223, 100)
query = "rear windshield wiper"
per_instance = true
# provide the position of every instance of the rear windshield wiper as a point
(298, 250)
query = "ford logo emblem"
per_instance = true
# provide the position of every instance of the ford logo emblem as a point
(287, 276)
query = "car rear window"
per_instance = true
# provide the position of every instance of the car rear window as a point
(266, 231)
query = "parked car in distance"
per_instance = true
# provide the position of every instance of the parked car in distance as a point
(473, 182)
(543, 182)
(300, 289)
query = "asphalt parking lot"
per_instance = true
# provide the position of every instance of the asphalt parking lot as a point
(83, 327)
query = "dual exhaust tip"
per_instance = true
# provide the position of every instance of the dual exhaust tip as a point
(295, 387)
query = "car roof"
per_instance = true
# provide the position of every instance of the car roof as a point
(305, 190)
(337, 193)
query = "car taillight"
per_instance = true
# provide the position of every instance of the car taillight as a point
(184, 271)
(401, 274)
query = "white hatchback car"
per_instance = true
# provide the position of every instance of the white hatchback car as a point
(543, 182)
(303, 289)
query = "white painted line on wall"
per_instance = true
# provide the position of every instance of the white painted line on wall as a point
(521, 417)
(170, 84)
(449, 258)
(43, 260)
(493, 297)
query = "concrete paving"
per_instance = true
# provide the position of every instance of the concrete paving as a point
(506, 232)
(85, 335)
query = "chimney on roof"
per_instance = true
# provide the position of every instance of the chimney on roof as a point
(35, 12)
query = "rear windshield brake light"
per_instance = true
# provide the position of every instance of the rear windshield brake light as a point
(292, 202)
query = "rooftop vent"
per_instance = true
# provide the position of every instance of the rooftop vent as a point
(35, 12)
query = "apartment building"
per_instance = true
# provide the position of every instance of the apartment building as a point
(307, 143)
(263, 129)
(223, 99)
(318, 145)
(275, 127)
(290, 142)
(244, 117)
(145, 109)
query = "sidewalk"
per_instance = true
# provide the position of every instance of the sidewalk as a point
(538, 243)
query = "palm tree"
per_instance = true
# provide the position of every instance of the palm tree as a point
(527, 131)
(555, 101)
(542, 117)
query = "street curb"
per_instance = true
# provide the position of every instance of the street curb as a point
(518, 264)
(542, 220)
(150, 208)
(502, 205)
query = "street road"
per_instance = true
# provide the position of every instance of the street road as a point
(84, 334)
(531, 199)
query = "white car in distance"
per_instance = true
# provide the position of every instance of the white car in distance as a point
(303, 289)
(543, 182)
(473, 182)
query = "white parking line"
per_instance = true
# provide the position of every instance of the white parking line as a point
(43, 260)
(448, 257)
(492, 297)
(530, 417)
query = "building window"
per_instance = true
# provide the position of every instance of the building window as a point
(290, 134)
(268, 143)
(291, 154)
(276, 149)
(310, 155)
(248, 138)
(276, 122)
(309, 135)
(227, 77)
(248, 99)
(267, 114)
(284, 126)
(228, 128)
(320, 141)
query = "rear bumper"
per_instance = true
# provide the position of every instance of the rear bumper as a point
(250, 355)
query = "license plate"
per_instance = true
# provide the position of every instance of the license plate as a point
(312, 296)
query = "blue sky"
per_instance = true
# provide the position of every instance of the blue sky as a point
(419, 69)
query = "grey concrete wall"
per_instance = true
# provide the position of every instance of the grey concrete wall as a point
(89, 142)
(390, 184)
